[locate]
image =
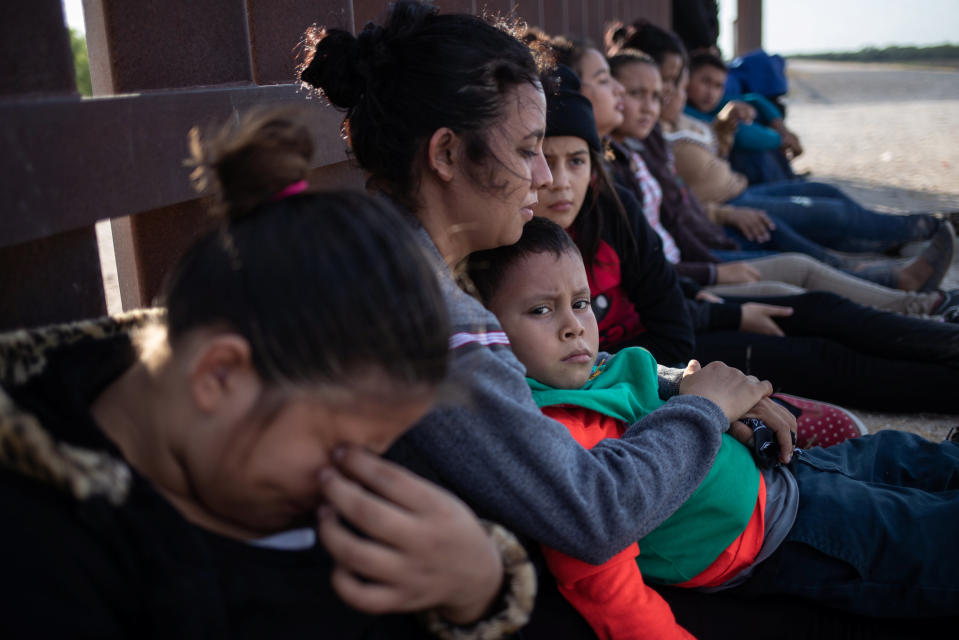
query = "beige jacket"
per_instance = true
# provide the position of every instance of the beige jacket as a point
(708, 175)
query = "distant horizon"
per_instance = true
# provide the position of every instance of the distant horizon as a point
(880, 48)
(791, 28)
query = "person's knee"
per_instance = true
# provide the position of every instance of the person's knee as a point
(799, 262)
(776, 288)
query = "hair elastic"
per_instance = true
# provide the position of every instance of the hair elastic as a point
(291, 190)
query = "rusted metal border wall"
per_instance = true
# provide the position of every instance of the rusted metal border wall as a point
(749, 26)
(157, 69)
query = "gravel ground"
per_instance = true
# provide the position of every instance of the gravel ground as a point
(887, 135)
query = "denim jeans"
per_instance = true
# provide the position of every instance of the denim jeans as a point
(782, 239)
(761, 165)
(877, 528)
(827, 216)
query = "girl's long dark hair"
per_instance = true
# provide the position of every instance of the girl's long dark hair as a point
(602, 215)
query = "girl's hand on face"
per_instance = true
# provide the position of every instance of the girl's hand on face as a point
(730, 389)
(425, 549)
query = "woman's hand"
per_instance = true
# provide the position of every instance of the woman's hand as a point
(791, 146)
(725, 123)
(753, 223)
(737, 111)
(732, 390)
(779, 420)
(759, 318)
(790, 141)
(743, 111)
(425, 549)
(736, 273)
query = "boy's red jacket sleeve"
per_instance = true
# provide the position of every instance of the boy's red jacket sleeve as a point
(613, 597)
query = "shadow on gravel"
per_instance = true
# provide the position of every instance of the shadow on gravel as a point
(882, 197)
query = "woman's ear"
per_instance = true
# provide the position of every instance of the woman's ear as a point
(442, 153)
(222, 373)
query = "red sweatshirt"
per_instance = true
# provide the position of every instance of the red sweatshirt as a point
(612, 597)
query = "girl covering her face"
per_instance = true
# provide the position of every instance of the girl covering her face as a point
(299, 339)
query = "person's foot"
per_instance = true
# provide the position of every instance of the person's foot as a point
(926, 272)
(948, 302)
(822, 424)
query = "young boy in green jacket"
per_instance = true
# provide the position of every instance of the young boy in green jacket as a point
(868, 525)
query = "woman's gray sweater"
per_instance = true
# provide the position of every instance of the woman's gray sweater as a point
(510, 463)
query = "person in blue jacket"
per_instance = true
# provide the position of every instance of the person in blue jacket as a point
(762, 145)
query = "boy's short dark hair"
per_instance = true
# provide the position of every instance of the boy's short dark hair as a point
(706, 59)
(487, 269)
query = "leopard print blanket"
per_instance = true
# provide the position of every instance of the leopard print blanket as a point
(25, 446)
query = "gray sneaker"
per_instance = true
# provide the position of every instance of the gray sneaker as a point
(939, 254)
(948, 306)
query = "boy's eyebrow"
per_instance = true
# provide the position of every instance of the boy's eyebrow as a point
(543, 296)
(538, 296)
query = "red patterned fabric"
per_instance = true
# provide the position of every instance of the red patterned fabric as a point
(617, 317)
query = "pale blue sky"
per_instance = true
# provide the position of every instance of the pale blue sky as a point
(809, 26)
(794, 26)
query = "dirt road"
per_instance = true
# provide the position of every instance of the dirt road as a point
(889, 135)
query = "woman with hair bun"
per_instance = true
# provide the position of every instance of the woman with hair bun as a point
(211, 471)
(447, 114)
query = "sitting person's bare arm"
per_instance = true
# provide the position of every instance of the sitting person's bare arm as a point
(755, 224)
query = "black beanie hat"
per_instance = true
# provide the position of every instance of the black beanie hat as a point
(569, 112)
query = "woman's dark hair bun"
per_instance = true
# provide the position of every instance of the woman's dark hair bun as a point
(342, 66)
(335, 66)
(615, 35)
(246, 163)
(419, 71)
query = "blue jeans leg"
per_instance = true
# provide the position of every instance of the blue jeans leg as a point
(829, 217)
(784, 239)
(761, 166)
(877, 528)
